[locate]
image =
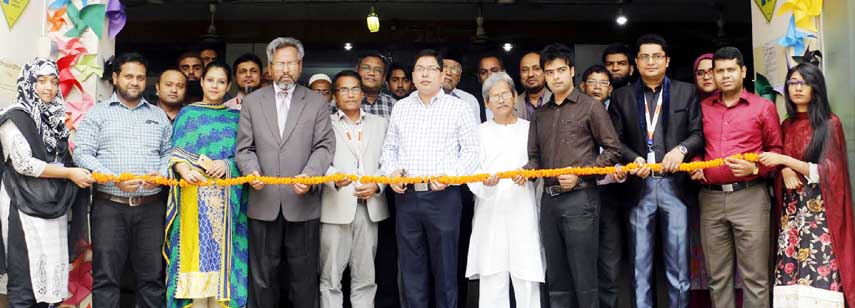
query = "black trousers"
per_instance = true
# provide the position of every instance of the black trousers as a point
(569, 230)
(293, 246)
(428, 225)
(121, 232)
(20, 287)
(611, 244)
(386, 260)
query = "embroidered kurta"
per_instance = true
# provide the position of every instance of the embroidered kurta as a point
(206, 242)
(505, 236)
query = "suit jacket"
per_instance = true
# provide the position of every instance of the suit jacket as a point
(522, 99)
(339, 204)
(307, 145)
(684, 126)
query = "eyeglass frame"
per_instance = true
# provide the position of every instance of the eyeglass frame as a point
(647, 57)
(280, 66)
(354, 90)
(503, 95)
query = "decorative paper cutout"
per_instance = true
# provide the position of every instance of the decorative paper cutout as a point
(763, 88)
(90, 16)
(794, 38)
(75, 110)
(804, 12)
(116, 16)
(58, 4)
(12, 10)
(56, 20)
(67, 81)
(767, 7)
(72, 47)
(88, 65)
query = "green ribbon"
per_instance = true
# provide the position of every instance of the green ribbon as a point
(91, 16)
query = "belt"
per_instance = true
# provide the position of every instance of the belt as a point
(418, 187)
(735, 186)
(556, 190)
(130, 201)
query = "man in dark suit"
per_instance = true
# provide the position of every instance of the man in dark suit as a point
(659, 121)
(284, 131)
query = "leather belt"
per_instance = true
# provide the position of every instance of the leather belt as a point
(419, 187)
(735, 186)
(130, 201)
(556, 190)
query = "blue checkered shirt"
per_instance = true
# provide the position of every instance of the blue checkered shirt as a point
(114, 139)
(434, 139)
(382, 107)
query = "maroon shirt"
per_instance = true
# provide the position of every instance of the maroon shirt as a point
(750, 126)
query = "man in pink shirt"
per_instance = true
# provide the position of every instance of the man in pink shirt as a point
(248, 72)
(734, 199)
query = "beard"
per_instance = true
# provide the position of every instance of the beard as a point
(125, 94)
(534, 89)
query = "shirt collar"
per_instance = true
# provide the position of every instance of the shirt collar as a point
(290, 89)
(572, 98)
(743, 98)
(343, 117)
(114, 100)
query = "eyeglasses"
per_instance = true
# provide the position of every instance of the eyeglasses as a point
(454, 69)
(322, 91)
(656, 57)
(796, 83)
(346, 91)
(429, 69)
(377, 70)
(280, 66)
(703, 73)
(602, 83)
(503, 95)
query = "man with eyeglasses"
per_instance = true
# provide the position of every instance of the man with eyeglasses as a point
(568, 131)
(618, 60)
(372, 70)
(284, 131)
(734, 199)
(451, 78)
(351, 210)
(535, 93)
(430, 134)
(659, 121)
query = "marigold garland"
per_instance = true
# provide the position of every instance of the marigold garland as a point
(454, 180)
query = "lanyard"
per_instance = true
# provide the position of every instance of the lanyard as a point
(354, 137)
(651, 124)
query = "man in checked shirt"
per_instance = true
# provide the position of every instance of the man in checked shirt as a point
(430, 133)
(126, 134)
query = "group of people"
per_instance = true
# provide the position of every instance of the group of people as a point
(556, 241)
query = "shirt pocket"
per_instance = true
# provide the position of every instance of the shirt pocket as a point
(150, 135)
(571, 129)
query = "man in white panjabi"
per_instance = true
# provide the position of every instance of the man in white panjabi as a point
(505, 242)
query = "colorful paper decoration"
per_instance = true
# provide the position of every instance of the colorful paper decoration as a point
(804, 12)
(763, 88)
(12, 10)
(767, 7)
(794, 38)
(116, 16)
(75, 110)
(72, 47)
(67, 81)
(56, 20)
(58, 4)
(90, 16)
(88, 65)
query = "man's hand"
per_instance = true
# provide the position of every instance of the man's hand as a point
(698, 175)
(491, 181)
(740, 167)
(643, 170)
(256, 184)
(301, 189)
(772, 159)
(342, 183)
(366, 191)
(130, 186)
(436, 185)
(519, 179)
(568, 181)
(791, 178)
(672, 160)
(398, 187)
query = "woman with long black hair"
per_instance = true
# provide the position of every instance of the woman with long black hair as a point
(816, 244)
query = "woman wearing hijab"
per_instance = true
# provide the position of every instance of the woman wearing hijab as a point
(39, 185)
(816, 243)
(703, 72)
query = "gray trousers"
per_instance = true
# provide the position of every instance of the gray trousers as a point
(353, 244)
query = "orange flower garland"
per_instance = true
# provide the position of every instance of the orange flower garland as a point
(454, 180)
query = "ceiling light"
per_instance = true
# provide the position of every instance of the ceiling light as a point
(373, 21)
(507, 47)
(348, 46)
(621, 18)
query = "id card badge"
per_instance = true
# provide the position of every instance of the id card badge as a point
(651, 157)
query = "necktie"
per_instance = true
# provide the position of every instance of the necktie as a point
(281, 110)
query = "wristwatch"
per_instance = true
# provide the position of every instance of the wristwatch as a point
(683, 149)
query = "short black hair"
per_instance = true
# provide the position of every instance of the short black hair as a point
(188, 54)
(373, 54)
(429, 53)
(128, 57)
(556, 51)
(218, 64)
(173, 70)
(652, 39)
(248, 57)
(618, 48)
(397, 66)
(491, 54)
(596, 69)
(346, 73)
(728, 53)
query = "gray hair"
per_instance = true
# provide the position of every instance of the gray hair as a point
(282, 42)
(493, 80)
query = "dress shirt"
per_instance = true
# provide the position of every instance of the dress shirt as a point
(472, 103)
(571, 134)
(440, 137)
(354, 134)
(234, 103)
(381, 107)
(750, 126)
(114, 139)
(529, 108)
(283, 103)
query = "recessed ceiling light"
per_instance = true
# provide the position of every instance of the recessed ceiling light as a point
(348, 46)
(507, 47)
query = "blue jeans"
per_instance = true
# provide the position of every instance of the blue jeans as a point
(659, 202)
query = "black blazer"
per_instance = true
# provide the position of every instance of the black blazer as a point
(684, 126)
